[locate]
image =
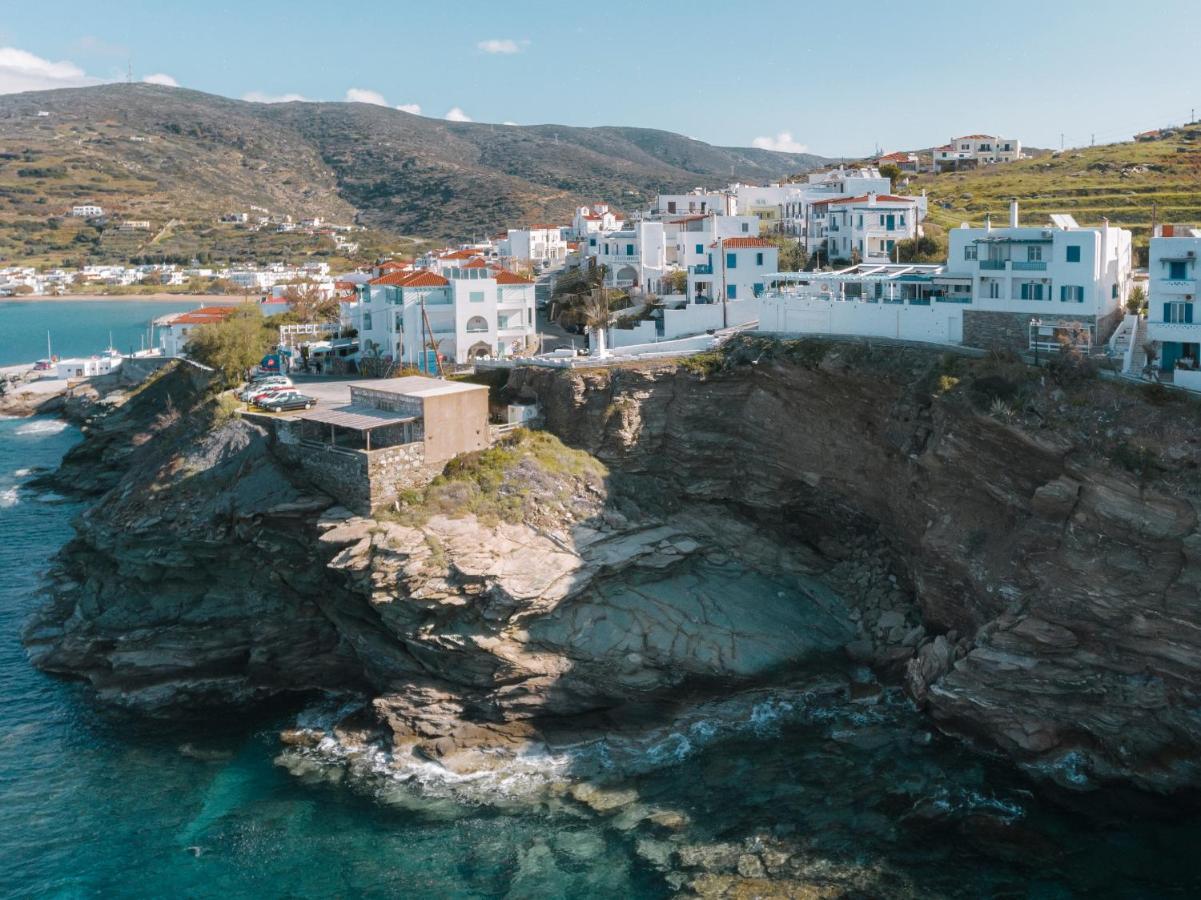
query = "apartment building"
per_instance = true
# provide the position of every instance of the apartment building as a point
(865, 227)
(537, 244)
(1031, 285)
(973, 150)
(1173, 290)
(634, 256)
(696, 202)
(735, 268)
(594, 219)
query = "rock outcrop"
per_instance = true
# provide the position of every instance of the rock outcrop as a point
(759, 513)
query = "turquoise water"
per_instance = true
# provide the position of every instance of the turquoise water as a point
(77, 327)
(98, 804)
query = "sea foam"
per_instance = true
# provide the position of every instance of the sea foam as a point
(45, 426)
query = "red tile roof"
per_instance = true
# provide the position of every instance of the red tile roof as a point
(975, 137)
(392, 264)
(206, 315)
(460, 254)
(477, 263)
(504, 276)
(880, 198)
(899, 156)
(419, 278)
(736, 242)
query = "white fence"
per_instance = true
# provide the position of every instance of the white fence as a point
(938, 323)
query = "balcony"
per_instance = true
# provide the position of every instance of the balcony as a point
(1175, 286)
(1033, 265)
(704, 269)
(995, 265)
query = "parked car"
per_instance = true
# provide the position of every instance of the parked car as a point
(271, 379)
(282, 384)
(43, 365)
(257, 395)
(288, 400)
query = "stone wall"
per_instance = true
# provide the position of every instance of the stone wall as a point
(1011, 331)
(396, 469)
(340, 473)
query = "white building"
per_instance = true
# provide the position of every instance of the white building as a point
(89, 366)
(87, 211)
(538, 244)
(833, 184)
(867, 226)
(697, 202)
(633, 257)
(736, 268)
(1172, 295)
(1055, 277)
(766, 204)
(593, 220)
(689, 237)
(973, 150)
(176, 330)
(467, 312)
(134, 225)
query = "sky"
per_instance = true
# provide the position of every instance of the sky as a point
(825, 78)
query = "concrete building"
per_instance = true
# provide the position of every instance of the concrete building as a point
(465, 311)
(634, 256)
(594, 219)
(537, 244)
(737, 268)
(867, 226)
(909, 163)
(87, 211)
(696, 202)
(1172, 327)
(175, 330)
(972, 150)
(1043, 281)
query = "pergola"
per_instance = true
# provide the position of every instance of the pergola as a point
(362, 420)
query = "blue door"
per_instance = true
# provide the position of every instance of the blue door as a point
(892, 223)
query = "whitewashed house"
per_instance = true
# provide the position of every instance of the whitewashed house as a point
(87, 211)
(1031, 286)
(867, 226)
(176, 329)
(634, 256)
(689, 237)
(465, 312)
(536, 244)
(736, 268)
(1172, 325)
(973, 150)
(593, 220)
(696, 202)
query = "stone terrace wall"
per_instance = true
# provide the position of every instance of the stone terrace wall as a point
(395, 469)
(1011, 331)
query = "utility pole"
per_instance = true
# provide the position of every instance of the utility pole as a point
(1061, 142)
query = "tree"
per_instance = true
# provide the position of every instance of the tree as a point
(793, 257)
(892, 172)
(309, 304)
(1136, 301)
(678, 281)
(234, 346)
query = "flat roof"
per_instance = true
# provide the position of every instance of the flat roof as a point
(360, 418)
(418, 386)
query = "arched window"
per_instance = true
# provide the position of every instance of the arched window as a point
(477, 323)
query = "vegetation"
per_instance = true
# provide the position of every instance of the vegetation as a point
(793, 257)
(931, 247)
(526, 477)
(234, 346)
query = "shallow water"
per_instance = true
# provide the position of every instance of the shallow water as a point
(98, 804)
(77, 327)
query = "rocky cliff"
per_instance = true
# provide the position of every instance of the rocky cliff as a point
(989, 534)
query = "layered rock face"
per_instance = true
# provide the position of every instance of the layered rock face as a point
(1060, 594)
(826, 489)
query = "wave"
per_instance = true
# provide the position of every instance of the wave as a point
(50, 497)
(23, 473)
(45, 426)
(9, 497)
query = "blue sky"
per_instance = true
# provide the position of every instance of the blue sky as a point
(837, 79)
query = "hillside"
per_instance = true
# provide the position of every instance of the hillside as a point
(165, 154)
(1128, 183)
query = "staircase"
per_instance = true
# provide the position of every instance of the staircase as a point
(1136, 353)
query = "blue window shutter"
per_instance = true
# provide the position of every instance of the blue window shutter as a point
(731, 291)
(1188, 313)
(758, 259)
(731, 260)
(1073, 253)
(700, 249)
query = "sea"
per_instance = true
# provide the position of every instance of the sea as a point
(78, 327)
(99, 803)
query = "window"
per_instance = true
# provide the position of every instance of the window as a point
(1178, 270)
(731, 292)
(1031, 290)
(861, 220)
(477, 323)
(731, 260)
(366, 321)
(629, 249)
(745, 227)
(671, 206)
(1178, 313)
(1034, 253)
(1113, 291)
(1073, 252)
(994, 290)
(901, 220)
(758, 289)
(881, 219)
(700, 249)
(758, 259)
(476, 297)
(969, 252)
(1071, 293)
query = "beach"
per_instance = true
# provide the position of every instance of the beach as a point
(158, 297)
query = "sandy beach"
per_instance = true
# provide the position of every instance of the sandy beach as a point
(202, 299)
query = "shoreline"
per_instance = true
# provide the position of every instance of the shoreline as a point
(160, 297)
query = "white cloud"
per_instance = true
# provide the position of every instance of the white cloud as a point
(455, 114)
(362, 95)
(161, 78)
(502, 45)
(262, 97)
(782, 143)
(21, 70)
(414, 108)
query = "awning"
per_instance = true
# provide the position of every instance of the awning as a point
(359, 418)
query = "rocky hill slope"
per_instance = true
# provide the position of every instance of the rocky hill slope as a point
(157, 153)
(1020, 548)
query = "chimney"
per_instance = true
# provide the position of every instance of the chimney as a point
(1013, 213)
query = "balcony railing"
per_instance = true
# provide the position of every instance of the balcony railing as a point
(996, 265)
(1031, 265)
(704, 269)
(1175, 286)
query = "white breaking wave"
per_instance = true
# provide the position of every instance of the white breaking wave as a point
(45, 426)
(50, 497)
(23, 473)
(9, 497)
